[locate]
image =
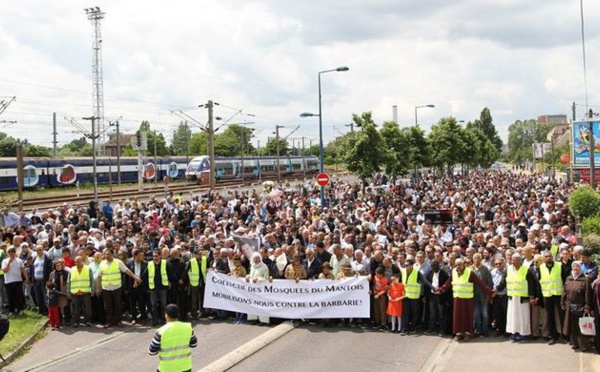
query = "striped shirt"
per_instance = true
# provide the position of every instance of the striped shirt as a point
(38, 268)
(155, 344)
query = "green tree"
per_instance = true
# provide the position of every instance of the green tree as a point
(271, 147)
(522, 134)
(35, 150)
(153, 140)
(486, 124)
(181, 139)
(446, 143)
(87, 150)
(199, 144)
(8, 146)
(400, 151)
(422, 147)
(364, 155)
(237, 137)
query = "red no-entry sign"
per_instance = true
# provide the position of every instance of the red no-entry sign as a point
(322, 179)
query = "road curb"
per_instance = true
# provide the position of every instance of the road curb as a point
(238, 355)
(7, 360)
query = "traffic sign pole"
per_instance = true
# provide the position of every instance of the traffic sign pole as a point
(322, 180)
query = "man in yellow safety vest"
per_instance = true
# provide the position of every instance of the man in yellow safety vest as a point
(158, 285)
(196, 270)
(552, 279)
(173, 342)
(79, 288)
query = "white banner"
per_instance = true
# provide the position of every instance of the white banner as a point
(287, 299)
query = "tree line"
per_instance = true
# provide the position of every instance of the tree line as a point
(398, 151)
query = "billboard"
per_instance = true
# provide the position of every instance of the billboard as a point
(540, 149)
(581, 143)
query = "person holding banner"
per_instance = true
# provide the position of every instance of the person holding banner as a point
(258, 272)
(380, 288)
(239, 271)
(296, 271)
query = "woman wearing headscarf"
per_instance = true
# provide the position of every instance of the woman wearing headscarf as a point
(258, 272)
(575, 302)
(59, 278)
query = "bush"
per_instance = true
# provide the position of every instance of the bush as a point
(591, 225)
(584, 202)
(592, 241)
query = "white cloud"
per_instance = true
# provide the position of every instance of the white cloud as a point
(520, 58)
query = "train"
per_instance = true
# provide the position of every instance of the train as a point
(251, 168)
(43, 172)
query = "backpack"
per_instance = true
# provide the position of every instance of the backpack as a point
(4, 326)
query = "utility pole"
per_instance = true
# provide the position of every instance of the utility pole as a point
(94, 171)
(277, 142)
(592, 150)
(351, 125)
(20, 174)
(211, 143)
(118, 140)
(155, 161)
(118, 154)
(303, 159)
(95, 15)
(571, 144)
(553, 159)
(54, 141)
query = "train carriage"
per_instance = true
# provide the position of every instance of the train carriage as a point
(260, 167)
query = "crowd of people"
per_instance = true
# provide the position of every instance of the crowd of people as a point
(499, 256)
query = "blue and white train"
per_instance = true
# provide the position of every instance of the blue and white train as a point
(228, 168)
(49, 172)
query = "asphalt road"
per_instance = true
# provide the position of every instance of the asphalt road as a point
(95, 349)
(346, 349)
(302, 349)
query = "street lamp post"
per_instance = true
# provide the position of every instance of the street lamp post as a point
(320, 115)
(418, 107)
(417, 123)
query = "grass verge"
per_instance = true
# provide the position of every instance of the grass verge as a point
(21, 328)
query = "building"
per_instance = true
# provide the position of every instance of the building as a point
(553, 119)
(110, 147)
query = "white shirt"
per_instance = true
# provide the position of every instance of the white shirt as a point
(435, 281)
(13, 274)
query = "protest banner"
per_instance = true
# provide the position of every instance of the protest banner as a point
(306, 299)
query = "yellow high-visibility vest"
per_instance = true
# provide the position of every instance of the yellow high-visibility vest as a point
(516, 282)
(194, 272)
(551, 281)
(111, 274)
(175, 353)
(461, 287)
(80, 282)
(412, 287)
(163, 274)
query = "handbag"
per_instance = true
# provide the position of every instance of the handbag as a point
(576, 310)
(587, 326)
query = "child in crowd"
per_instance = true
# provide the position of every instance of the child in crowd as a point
(380, 298)
(53, 309)
(395, 296)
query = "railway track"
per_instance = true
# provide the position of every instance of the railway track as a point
(47, 202)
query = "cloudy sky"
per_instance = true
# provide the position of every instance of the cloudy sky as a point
(520, 58)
